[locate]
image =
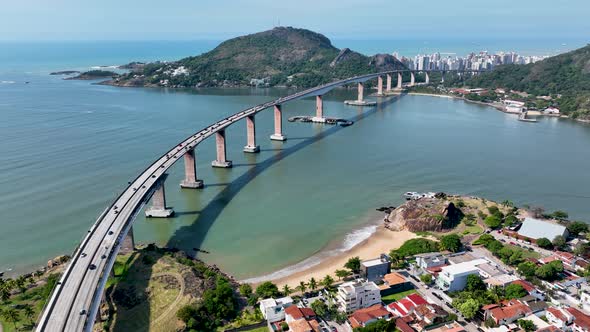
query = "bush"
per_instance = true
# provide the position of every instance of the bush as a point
(451, 242)
(426, 278)
(544, 243)
(417, 246)
(267, 289)
(493, 221)
(284, 326)
(577, 227)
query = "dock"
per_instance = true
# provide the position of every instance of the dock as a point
(522, 117)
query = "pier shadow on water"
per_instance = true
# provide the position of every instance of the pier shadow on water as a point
(193, 235)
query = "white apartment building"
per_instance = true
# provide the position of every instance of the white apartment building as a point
(356, 295)
(274, 310)
(454, 277)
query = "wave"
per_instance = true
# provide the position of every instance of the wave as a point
(350, 241)
(7, 82)
(104, 67)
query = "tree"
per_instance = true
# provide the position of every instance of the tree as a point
(287, 290)
(20, 283)
(507, 203)
(353, 264)
(186, 312)
(581, 249)
(302, 287)
(537, 211)
(284, 326)
(559, 242)
(510, 220)
(544, 243)
(313, 284)
(451, 243)
(267, 289)
(426, 278)
(548, 271)
(560, 215)
(342, 274)
(29, 312)
(493, 221)
(11, 315)
(469, 308)
(515, 291)
(327, 281)
(475, 283)
(246, 290)
(577, 227)
(527, 325)
(527, 269)
(320, 308)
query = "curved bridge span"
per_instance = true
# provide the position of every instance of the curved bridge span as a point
(74, 302)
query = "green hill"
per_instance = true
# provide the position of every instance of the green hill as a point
(283, 56)
(566, 74)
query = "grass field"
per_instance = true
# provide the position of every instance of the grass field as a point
(394, 297)
(259, 329)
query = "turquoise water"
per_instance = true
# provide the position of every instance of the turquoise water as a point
(68, 147)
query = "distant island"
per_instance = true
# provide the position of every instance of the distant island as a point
(94, 74)
(65, 72)
(283, 56)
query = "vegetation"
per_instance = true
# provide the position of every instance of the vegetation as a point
(527, 325)
(577, 227)
(378, 326)
(426, 278)
(281, 56)
(544, 243)
(414, 247)
(397, 296)
(267, 289)
(514, 291)
(353, 264)
(451, 243)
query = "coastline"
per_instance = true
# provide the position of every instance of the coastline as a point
(382, 240)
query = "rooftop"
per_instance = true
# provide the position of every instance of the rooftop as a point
(394, 278)
(463, 267)
(460, 258)
(536, 229)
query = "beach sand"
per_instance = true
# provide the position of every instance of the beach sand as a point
(382, 241)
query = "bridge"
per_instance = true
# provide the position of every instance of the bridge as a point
(76, 298)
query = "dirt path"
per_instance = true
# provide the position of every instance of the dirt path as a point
(173, 306)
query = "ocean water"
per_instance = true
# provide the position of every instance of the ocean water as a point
(68, 147)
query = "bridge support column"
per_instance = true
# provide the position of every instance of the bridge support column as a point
(412, 78)
(388, 88)
(190, 172)
(251, 147)
(221, 160)
(158, 208)
(319, 110)
(361, 90)
(399, 80)
(442, 79)
(427, 78)
(278, 135)
(379, 86)
(128, 245)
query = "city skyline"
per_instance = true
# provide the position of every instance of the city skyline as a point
(175, 20)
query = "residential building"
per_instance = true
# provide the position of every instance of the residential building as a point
(405, 306)
(394, 283)
(429, 260)
(301, 319)
(454, 277)
(559, 317)
(533, 229)
(506, 312)
(362, 317)
(581, 320)
(375, 269)
(274, 310)
(501, 280)
(449, 327)
(531, 289)
(356, 295)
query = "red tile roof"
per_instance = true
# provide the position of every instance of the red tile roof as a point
(396, 307)
(362, 316)
(409, 305)
(581, 319)
(512, 311)
(525, 284)
(558, 314)
(298, 313)
(417, 299)
(403, 326)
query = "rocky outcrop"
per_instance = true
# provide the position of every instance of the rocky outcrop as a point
(426, 214)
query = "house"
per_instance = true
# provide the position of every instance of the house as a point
(500, 280)
(533, 229)
(537, 306)
(402, 324)
(301, 319)
(581, 320)
(454, 277)
(449, 327)
(429, 260)
(354, 295)
(362, 317)
(506, 312)
(551, 110)
(375, 269)
(539, 323)
(531, 289)
(274, 310)
(405, 306)
(559, 317)
(430, 313)
(394, 283)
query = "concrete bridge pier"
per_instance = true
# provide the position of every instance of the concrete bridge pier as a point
(319, 110)
(278, 135)
(379, 86)
(412, 78)
(251, 146)
(361, 90)
(190, 172)
(399, 80)
(427, 78)
(158, 208)
(221, 160)
(128, 245)
(388, 87)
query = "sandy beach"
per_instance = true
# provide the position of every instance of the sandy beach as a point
(382, 241)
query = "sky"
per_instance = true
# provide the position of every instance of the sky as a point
(40, 20)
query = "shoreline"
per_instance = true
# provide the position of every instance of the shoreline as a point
(382, 240)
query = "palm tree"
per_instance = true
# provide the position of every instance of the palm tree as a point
(287, 290)
(20, 283)
(11, 315)
(327, 281)
(302, 286)
(342, 274)
(313, 284)
(29, 312)
(508, 203)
